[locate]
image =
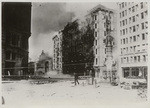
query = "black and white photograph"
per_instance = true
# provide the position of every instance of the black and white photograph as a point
(74, 54)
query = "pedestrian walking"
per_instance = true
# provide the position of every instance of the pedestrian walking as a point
(76, 77)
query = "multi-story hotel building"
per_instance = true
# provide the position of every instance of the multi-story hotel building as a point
(133, 44)
(99, 16)
(57, 57)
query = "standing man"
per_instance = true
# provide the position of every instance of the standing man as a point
(76, 78)
(93, 75)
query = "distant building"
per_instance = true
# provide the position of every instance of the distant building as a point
(44, 64)
(57, 57)
(16, 30)
(133, 39)
(98, 17)
(31, 68)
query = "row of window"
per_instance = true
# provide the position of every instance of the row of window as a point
(134, 49)
(134, 59)
(134, 38)
(12, 56)
(124, 4)
(134, 28)
(133, 19)
(96, 33)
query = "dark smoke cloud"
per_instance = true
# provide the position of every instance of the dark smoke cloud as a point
(47, 17)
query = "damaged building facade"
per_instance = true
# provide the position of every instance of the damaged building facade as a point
(103, 20)
(16, 30)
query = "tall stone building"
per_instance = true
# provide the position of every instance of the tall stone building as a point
(133, 40)
(16, 30)
(99, 17)
(57, 57)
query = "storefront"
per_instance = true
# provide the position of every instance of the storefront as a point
(135, 72)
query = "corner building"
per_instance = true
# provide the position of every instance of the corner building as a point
(133, 40)
(98, 17)
(16, 30)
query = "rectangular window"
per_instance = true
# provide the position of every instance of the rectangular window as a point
(134, 29)
(126, 21)
(138, 58)
(13, 56)
(135, 59)
(142, 5)
(95, 25)
(127, 50)
(134, 48)
(120, 6)
(127, 40)
(96, 61)
(144, 58)
(130, 39)
(133, 9)
(138, 37)
(123, 14)
(104, 33)
(123, 22)
(142, 15)
(133, 18)
(120, 15)
(126, 30)
(95, 34)
(129, 10)
(127, 59)
(130, 29)
(130, 20)
(146, 24)
(142, 24)
(120, 32)
(120, 23)
(137, 27)
(123, 31)
(121, 60)
(131, 49)
(143, 36)
(137, 17)
(96, 42)
(124, 41)
(121, 50)
(123, 5)
(95, 17)
(137, 7)
(96, 51)
(131, 59)
(146, 13)
(8, 55)
(134, 38)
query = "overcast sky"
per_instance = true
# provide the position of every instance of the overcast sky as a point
(48, 18)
